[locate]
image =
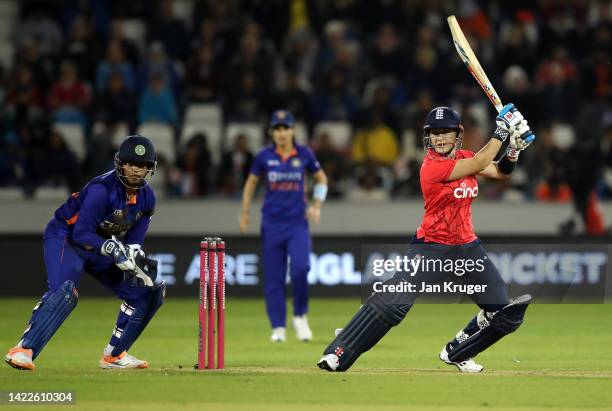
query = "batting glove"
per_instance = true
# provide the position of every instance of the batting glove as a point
(508, 119)
(521, 136)
(116, 250)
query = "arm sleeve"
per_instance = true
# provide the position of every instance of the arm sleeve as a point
(91, 213)
(258, 166)
(312, 165)
(136, 234)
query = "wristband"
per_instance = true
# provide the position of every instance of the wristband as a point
(319, 192)
(505, 165)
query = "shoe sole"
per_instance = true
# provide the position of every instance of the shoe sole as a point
(107, 366)
(19, 366)
(457, 365)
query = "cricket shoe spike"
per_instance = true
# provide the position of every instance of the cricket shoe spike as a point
(278, 335)
(329, 362)
(20, 358)
(302, 329)
(468, 365)
(122, 361)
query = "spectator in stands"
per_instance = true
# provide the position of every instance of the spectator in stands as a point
(169, 30)
(69, 97)
(556, 79)
(157, 103)
(41, 29)
(130, 49)
(334, 162)
(427, 72)
(235, 167)
(82, 49)
(41, 67)
(375, 143)
(24, 99)
(518, 40)
(193, 166)
(116, 104)
(334, 37)
(61, 166)
(294, 97)
(386, 55)
(245, 103)
(203, 77)
(207, 36)
(115, 62)
(157, 61)
(334, 102)
(300, 54)
(252, 58)
(517, 88)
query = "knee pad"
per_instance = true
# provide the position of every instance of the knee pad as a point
(390, 312)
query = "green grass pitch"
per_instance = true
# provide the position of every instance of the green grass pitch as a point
(561, 359)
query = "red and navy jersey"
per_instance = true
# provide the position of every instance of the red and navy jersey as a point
(103, 209)
(285, 181)
(448, 213)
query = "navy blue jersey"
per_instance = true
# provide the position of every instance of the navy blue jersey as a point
(103, 209)
(285, 181)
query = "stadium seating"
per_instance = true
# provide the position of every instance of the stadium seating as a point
(340, 133)
(207, 119)
(252, 131)
(162, 137)
(74, 137)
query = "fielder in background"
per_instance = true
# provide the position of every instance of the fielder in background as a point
(284, 227)
(449, 185)
(100, 230)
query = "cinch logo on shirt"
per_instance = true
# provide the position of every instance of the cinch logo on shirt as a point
(273, 163)
(465, 192)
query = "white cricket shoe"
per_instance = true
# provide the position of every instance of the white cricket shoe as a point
(302, 330)
(468, 365)
(337, 331)
(329, 362)
(278, 335)
(20, 358)
(122, 361)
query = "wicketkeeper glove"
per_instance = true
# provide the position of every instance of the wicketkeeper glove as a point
(145, 273)
(115, 249)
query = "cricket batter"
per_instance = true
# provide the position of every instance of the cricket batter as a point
(284, 227)
(449, 185)
(100, 230)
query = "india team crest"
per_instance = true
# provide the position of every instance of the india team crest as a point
(140, 150)
(296, 163)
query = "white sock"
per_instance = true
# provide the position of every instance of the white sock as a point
(109, 349)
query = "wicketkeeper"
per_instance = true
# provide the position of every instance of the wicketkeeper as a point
(100, 230)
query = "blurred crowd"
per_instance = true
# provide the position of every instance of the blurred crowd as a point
(378, 66)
